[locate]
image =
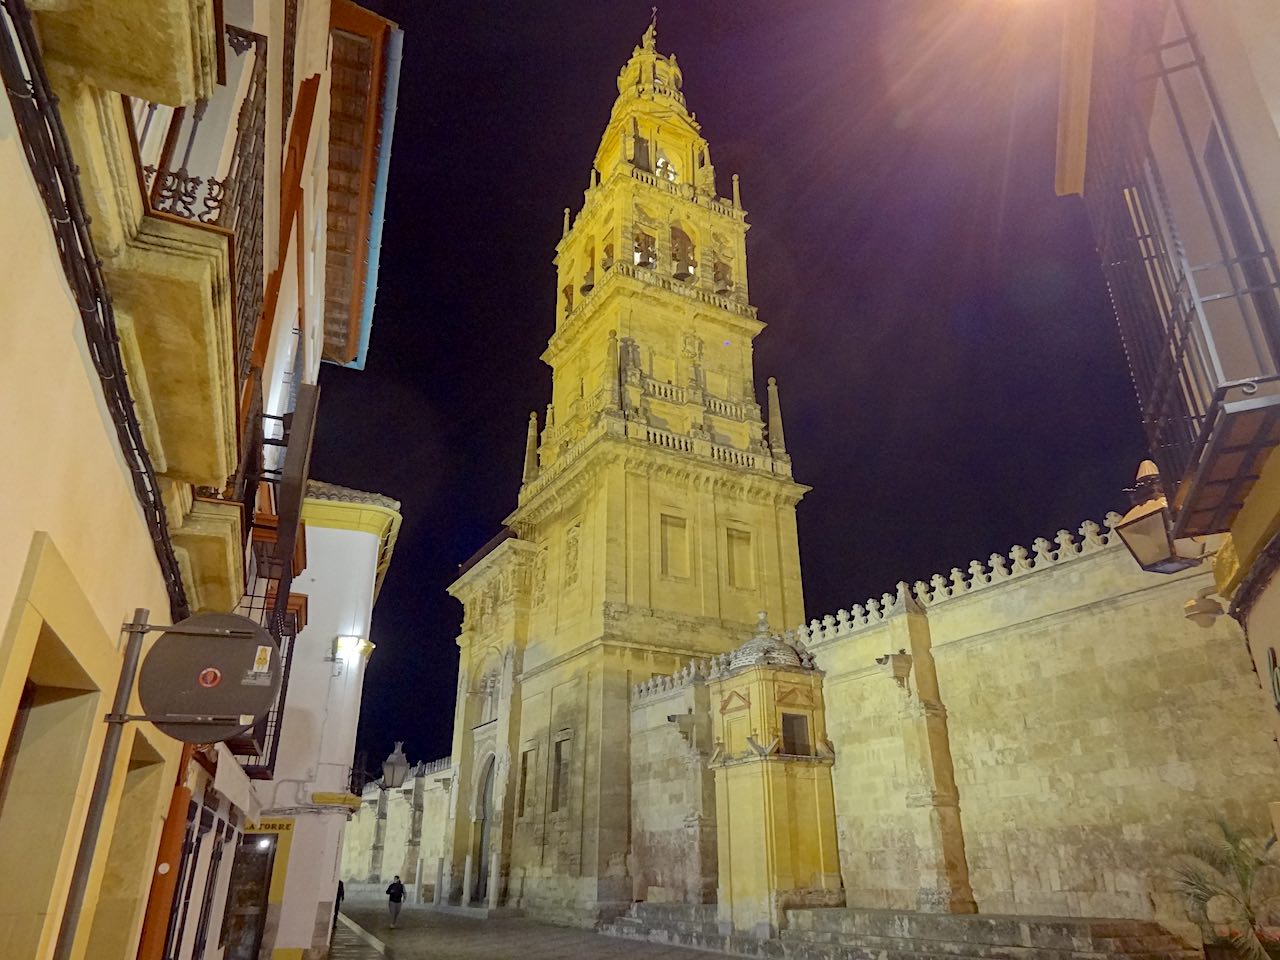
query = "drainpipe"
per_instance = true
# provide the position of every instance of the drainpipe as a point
(164, 880)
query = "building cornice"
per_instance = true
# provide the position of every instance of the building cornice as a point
(342, 508)
(604, 449)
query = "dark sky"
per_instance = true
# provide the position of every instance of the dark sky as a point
(951, 374)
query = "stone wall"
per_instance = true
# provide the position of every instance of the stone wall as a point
(1089, 727)
(673, 830)
(396, 831)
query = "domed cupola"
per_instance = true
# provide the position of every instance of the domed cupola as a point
(649, 73)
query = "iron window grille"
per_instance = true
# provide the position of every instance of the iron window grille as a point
(1192, 273)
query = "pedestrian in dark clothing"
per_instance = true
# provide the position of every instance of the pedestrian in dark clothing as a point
(337, 904)
(395, 897)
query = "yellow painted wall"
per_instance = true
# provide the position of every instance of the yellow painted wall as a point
(75, 561)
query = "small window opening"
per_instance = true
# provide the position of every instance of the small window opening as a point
(795, 735)
(568, 298)
(526, 767)
(606, 259)
(560, 776)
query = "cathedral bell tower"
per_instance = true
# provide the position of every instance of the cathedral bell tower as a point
(656, 515)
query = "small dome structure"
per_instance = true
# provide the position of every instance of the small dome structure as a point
(764, 648)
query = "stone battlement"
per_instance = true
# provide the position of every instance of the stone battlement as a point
(1044, 554)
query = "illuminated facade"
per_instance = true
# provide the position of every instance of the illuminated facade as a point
(171, 283)
(655, 518)
(980, 763)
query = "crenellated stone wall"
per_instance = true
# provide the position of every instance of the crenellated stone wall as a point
(1085, 724)
(1033, 735)
(400, 831)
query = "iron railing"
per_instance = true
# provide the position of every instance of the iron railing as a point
(177, 184)
(49, 156)
(1192, 274)
(257, 749)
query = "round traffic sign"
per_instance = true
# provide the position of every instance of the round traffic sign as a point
(210, 677)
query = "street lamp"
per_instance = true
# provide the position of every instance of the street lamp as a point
(1147, 530)
(395, 768)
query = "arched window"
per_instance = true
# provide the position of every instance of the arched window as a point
(606, 260)
(721, 277)
(589, 278)
(646, 250)
(683, 262)
(665, 168)
(568, 298)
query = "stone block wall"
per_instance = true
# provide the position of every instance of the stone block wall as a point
(673, 832)
(396, 830)
(1089, 727)
(880, 855)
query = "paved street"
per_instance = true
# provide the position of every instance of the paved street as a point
(349, 945)
(423, 934)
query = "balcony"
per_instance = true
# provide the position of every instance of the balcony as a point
(1191, 269)
(258, 747)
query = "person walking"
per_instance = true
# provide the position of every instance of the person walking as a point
(395, 897)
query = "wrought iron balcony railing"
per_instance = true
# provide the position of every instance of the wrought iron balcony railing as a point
(182, 154)
(1192, 273)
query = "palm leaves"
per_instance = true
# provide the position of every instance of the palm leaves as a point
(1238, 875)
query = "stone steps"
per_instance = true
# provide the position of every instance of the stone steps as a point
(853, 934)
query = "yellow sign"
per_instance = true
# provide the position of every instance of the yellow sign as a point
(262, 659)
(348, 800)
(269, 826)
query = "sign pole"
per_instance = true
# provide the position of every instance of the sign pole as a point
(101, 786)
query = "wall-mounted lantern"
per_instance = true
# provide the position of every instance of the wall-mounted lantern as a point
(1147, 529)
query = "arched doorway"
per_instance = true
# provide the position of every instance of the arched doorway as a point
(484, 830)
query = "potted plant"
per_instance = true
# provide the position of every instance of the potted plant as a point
(1231, 883)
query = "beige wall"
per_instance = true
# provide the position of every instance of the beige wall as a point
(75, 561)
(673, 823)
(413, 831)
(1091, 727)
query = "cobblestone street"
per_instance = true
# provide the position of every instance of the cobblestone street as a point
(424, 934)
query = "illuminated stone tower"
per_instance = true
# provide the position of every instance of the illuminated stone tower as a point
(656, 517)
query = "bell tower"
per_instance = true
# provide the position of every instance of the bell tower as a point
(655, 519)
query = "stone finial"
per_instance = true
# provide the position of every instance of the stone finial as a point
(531, 450)
(777, 441)
(737, 194)
(565, 232)
(551, 415)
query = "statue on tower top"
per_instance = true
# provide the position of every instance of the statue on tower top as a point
(650, 38)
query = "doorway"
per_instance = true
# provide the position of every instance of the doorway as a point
(484, 827)
(246, 912)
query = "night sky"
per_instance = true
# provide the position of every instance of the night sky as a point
(952, 378)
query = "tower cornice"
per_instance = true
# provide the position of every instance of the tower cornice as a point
(754, 478)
